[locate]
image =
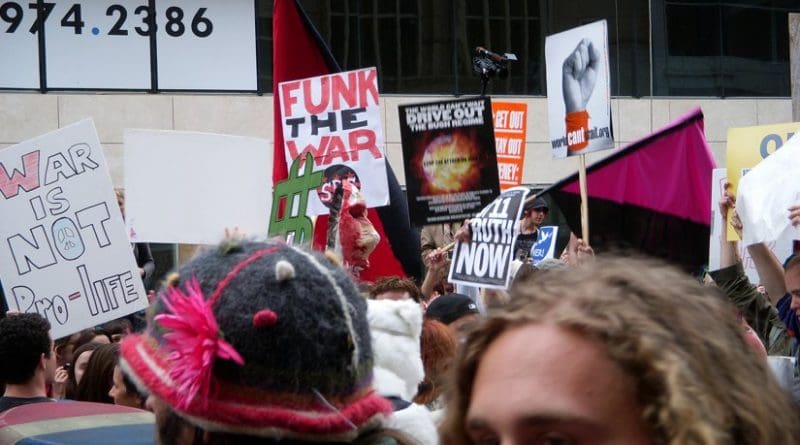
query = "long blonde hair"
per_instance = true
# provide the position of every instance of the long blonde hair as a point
(696, 379)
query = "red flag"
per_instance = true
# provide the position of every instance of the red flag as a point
(298, 52)
(653, 196)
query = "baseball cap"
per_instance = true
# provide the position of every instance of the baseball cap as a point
(538, 203)
(450, 307)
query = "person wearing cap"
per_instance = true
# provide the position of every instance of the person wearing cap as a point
(455, 310)
(533, 215)
(255, 342)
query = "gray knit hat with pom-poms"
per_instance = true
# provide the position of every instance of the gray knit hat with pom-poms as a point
(261, 339)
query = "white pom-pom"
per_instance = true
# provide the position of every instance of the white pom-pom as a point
(284, 270)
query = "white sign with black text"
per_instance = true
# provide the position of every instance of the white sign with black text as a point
(485, 260)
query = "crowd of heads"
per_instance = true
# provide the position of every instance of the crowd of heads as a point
(254, 342)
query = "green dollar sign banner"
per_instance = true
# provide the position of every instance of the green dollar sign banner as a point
(294, 220)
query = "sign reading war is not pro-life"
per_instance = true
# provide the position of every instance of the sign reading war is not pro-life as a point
(450, 159)
(337, 119)
(485, 260)
(65, 252)
(579, 90)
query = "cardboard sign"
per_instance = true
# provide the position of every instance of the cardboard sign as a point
(337, 119)
(486, 259)
(450, 159)
(294, 224)
(67, 256)
(545, 246)
(747, 146)
(510, 125)
(188, 187)
(579, 90)
(781, 248)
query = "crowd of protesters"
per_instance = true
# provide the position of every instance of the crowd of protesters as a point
(263, 342)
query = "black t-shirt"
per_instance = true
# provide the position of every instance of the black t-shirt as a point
(522, 248)
(7, 403)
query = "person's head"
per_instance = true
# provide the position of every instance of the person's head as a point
(536, 211)
(438, 345)
(77, 368)
(124, 392)
(627, 350)
(99, 375)
(26, 350)
(254, 342)
(65, 347)
(117, 329)
(395, 288)
(455, 310)
(791, 277)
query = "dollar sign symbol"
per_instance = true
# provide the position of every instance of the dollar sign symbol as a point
(285, 191)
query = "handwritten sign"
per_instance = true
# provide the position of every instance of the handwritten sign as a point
(337, 119)
(486, 259)
(68, 258)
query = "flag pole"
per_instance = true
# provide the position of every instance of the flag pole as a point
(584, 200)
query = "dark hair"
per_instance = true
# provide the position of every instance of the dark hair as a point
(116, 327)
(395, 283)
(72, 384)
(23, 340)
(99, 375)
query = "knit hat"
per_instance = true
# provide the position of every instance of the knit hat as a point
(261, 339)
(449, 308)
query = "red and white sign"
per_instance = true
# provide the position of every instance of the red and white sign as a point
(337, 119)
(510, 124)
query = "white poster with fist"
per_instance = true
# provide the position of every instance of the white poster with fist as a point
(579, 90)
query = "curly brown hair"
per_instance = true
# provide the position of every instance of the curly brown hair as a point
(395, 283)
(695, 377)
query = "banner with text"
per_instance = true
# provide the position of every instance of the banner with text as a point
(337, 119)
(450, 159)
(485, 260)
(747, 146)
(68, 258)
(579, 90)
(510, 126)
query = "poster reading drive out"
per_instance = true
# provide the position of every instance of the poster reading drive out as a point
(65, 254)
(450, 159)
(337, 119)
(579, 90)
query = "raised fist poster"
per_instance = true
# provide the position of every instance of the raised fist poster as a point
(336, 118)
(66, 255)
(450, 159)
(579, 90)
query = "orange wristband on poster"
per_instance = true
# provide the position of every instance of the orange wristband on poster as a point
(577, 130)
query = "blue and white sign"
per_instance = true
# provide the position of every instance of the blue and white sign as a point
(545, 246)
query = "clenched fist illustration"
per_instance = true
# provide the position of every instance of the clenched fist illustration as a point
(579, 75)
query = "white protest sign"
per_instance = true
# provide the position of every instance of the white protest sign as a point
(486, 259)
(337, 119)
(188, 187)
(545, 247)
(579, 90)
(765, 194)
(781, 248)
(68, 257)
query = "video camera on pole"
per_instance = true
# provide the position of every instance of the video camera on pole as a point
(488, 64)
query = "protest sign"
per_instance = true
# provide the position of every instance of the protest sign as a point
(188, 187)
(579, 90)
(294, 223)
(510, 125)
(486, 259)
(336, 118)
(68, 258)
(781, 248)
(765, 194)
(747, 146)
(450, 159)
(545, 247)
